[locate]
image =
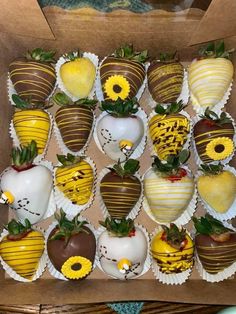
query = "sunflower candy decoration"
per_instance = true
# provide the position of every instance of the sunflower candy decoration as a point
(214, 137)
(71, 247)
(122, 74)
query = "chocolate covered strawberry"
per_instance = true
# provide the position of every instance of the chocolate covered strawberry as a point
(210, 76)
(172, 249)
(168, 130)
(22, 248)
(168, 188)
(27, 187)
(213, 136)
(31, 122)
(121, 130)
(122, 249)
(165, 78)
(74, 178)
(120, 189)
(215, 244)
(71, 247)
(122, 74)
(74, 121)
(34, 76)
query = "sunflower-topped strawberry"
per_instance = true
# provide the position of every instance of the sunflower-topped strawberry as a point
(74, 178)
(76, 73)
(21, 249)
(74, 121)
(31, 122)
(122, 248)
(120, 129)
(123, 73)
(210, 76)
(120, 189)
(165, 78)
(213, 136)
(71, 246)
(168, 130)
(172, 249)
(168, 188)
(34, 77)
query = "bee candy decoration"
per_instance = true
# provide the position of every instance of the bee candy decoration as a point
(34, 76)
(27, 187)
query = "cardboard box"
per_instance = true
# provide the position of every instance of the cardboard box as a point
(24, 26)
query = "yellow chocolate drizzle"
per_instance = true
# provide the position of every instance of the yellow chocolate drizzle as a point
(76, 182)
(23, 255)
(32, 125)
(168, 133)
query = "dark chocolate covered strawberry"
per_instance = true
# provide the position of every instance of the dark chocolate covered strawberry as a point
(33, 77)
(74, 121)
(71, 247)
(165, 78)
(123, 73)
(213, 136)
(215, 244)
(121, 189)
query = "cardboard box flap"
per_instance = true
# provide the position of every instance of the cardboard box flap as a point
(24, 18)
(217, 23)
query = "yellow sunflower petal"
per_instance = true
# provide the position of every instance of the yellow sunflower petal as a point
(220, 148)
(76, 267)
(117, 86)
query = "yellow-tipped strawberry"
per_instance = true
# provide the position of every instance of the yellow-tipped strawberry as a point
(31, 122)
(22, 248)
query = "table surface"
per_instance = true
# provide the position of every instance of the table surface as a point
(148, 308)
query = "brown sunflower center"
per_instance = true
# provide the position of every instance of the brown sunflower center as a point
(117, 88)
(219, 148)
(76, 266)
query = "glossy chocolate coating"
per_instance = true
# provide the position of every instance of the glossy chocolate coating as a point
(81, 244)
(165, 80)
(32, 80)
(204, 131)
(216, 256)
(75, 123)
(119, 194)
(133, 71)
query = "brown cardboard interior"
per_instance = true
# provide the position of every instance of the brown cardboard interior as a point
(101, 33)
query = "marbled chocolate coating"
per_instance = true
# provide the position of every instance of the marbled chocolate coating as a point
(119, 194)
(215, 256)
(74, 123)
(133, 71)
(204, 131)
(165, 81)
(32, 80)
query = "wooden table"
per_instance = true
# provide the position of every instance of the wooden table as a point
(100, 308)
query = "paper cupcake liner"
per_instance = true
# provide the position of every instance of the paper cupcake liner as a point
(52, 270)
(219, 106)
(134, 211)
(141, 146)
(195, 153)
(63, 202)
(64, 149)
(147, 263)
(41, 267)
(169, 279)
(184, 95)
(16, 141)
(224, 274)
(231, 212)
(11, 90)
(187, 214)
(186, 144)
(92, 57)
(99, 92)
